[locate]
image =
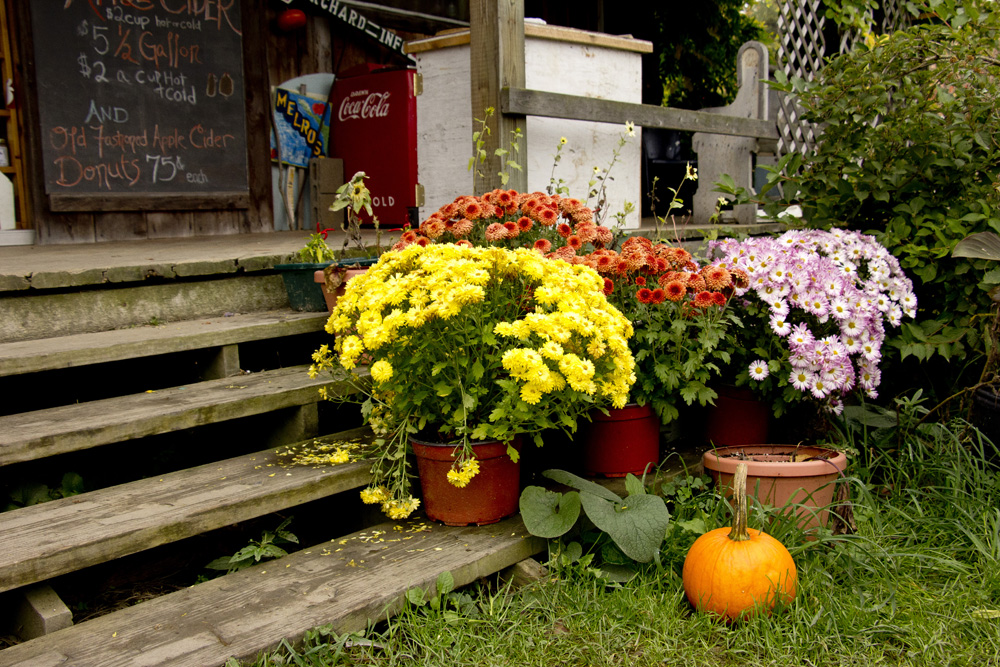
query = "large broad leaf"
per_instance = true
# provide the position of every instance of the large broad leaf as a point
(569, 479)
(547, 513)
(637, 525)
(984, 245)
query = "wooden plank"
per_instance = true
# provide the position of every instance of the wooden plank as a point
(42, 433)
(497, 61)
(259, 214)
(556, 105)
(347, 583)
(179, 201)
(460, 37)
(171, 224)
(61, 536)
(120, 226)
(45, 354)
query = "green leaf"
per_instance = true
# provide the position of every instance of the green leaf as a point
(637, 525)
(569, 479)
(415, 596)
(634, 486)
(549, 514)
(445, 583)
(443, 388)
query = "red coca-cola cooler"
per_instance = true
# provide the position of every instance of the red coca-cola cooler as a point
(373, 128)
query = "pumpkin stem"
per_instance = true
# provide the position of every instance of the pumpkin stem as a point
(739, 530)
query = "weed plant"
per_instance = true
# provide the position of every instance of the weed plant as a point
(918, 583)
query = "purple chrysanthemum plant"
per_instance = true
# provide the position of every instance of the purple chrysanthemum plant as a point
(814, 314)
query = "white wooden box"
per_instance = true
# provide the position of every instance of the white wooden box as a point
(558, 60)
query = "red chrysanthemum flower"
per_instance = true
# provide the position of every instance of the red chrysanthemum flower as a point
(658, 295)
(740, 278)
(644, 295)
(423, 241)
(609, 287)
(542, 245)
(548, 216)
(512, 229)
(604, 235)
(716, 277)
(604, 263)
(564, 230)
(720, 298)
(472, 210)
(524, 223)
(640, 280)
(704, 299)
(409, 236)
(462, 228)
(495, 232)
(464, 243)
(574, 242)
(675, 290)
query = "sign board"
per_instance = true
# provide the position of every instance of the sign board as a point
(140, 98)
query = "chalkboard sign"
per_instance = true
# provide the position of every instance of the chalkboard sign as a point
(140, 98)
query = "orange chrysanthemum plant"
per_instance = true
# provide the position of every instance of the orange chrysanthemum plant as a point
(555, 226)
(681, 316)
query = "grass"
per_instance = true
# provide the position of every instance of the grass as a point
(917, 584)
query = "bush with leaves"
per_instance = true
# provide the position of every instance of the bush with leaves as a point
(910, 152)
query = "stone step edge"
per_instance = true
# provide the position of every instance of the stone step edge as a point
(45, 354)
(61, 536)
(42, 433)
(346, 582)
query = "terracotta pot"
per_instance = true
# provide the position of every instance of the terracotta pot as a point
(626, 440)
(773, 478)
(492, 494)
(737, 418)
(329, 295)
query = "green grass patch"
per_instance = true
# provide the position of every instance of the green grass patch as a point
(917, 584)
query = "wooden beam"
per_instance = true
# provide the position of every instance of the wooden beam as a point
(496, 34)
(522, 102)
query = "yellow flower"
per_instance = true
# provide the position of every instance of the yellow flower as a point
(461, 476)
(400, 509)
(374, 495)
(381, 371)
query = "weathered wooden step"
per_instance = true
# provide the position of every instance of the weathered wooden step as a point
(344, 582)
(44, 354)
(41, 433)
(60, 536)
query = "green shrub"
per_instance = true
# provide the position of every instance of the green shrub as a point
(910, 152)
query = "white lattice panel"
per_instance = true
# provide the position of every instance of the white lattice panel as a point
(801, 52)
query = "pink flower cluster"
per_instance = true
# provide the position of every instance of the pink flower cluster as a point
(828, 295)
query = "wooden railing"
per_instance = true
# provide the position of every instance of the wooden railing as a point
(725, 138)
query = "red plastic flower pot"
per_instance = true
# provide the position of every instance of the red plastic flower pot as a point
(492, 494)
(737, 418)
(626, 440)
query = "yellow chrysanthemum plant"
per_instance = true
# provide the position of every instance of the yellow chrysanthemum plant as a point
(460, 344)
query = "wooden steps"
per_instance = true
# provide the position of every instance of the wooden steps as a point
(345, 582)
(45, 354)
(47, 540)
(42, 433)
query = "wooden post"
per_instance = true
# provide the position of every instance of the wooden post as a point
(496, 34)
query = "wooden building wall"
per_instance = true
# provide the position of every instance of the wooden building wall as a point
(271, 56)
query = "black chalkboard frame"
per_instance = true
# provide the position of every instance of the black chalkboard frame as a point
(96, 202)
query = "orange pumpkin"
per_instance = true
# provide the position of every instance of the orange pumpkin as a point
(732, 571)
